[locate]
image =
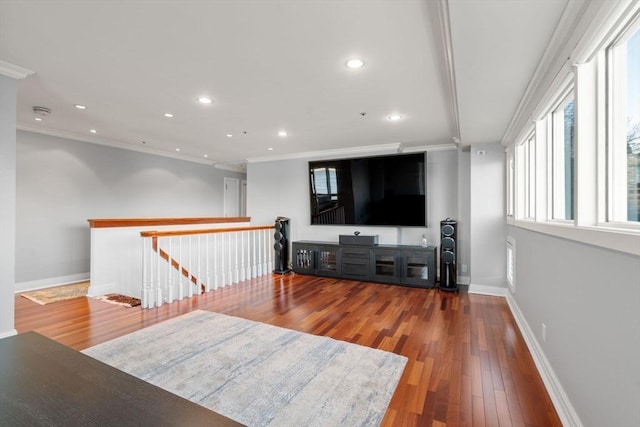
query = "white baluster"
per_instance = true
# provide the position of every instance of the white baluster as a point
(216, 279)
(199, 281)
(169, 278)
(247, 275)
(230, 264)
(223, 280)
(236, 270)
(158, 281)
(265, 248)
(180, 276)
(207, 284)
(243, 270)
(254, 261)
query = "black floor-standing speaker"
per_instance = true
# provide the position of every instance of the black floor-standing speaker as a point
(448, 247)
(281, 246)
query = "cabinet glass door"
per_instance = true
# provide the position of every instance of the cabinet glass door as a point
(327, 262)
(385, 266)
(417, 269)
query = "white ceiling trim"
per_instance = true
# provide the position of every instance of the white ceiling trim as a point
(14, 71)
(550, 65)
(447, 45)
(109, 143)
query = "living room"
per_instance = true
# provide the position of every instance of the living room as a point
(576, 299)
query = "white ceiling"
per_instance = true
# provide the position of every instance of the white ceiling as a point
(272, 65)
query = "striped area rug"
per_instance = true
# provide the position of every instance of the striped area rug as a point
(258, 374)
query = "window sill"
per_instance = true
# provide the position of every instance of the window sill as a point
(617, 239)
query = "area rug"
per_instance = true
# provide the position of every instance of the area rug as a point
(258, 374)
(58, 293)
(119, 299)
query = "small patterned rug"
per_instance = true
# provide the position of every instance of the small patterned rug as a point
(57, 293)
(258, 374)
(119, 299)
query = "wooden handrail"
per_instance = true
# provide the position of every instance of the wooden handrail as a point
(170, 233)
(143, 222)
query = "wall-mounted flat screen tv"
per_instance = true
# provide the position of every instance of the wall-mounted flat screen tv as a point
(381, 190)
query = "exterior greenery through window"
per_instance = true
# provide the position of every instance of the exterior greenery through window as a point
(633, 127)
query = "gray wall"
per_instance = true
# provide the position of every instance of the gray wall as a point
(61, 183)
(8, 90)
(487, 215)
(281, 188)
(589, 299)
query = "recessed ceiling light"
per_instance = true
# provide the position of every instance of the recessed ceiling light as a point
(177, 149)
(270, 148)
(169, 115)
(206, 155)
(204, 100)
(93, 131)
(80, 107)
(395, 117)
(37, 119)
(355, 63)
(282, 133)
(229, 135)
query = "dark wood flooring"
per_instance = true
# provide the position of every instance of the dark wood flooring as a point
(468, 363)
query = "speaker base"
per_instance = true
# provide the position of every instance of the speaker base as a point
(449, 288)
(285, 271)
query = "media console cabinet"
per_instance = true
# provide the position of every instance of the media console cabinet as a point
(393, 264)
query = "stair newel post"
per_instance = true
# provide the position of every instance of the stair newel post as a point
(207, 284)
(270, 251)
(146, 243)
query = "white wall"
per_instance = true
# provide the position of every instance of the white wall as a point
(8, 88)
(589, 299)
(281, 188)
(487, 219)
(62, 183)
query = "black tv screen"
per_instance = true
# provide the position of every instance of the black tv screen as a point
(381, 190)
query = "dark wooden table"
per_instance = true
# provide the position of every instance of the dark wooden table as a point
(43, 383)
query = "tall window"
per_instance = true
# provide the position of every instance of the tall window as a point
(624, 135)
(563, 151)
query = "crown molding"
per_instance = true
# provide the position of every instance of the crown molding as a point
(110, 143)
(355, 152)
(233, 167)
(551, 64)
(14, 71)
(444, 21)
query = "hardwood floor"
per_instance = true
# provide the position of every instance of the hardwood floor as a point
(468, 363)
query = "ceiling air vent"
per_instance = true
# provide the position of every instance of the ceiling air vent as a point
(41, 111)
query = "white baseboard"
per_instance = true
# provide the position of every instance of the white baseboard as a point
(8, 333)
(566, 412)
(50, 282)
(487, 290)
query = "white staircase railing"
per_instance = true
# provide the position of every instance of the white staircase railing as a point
(181, 263)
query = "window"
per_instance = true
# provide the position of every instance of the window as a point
(624, 119)
(526, 165)
(325, 182)
(563, 151)
(510, 183)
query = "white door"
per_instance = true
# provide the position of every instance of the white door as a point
(231, 197)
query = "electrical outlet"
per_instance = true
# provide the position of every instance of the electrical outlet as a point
(544, 333)
(464, 268)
